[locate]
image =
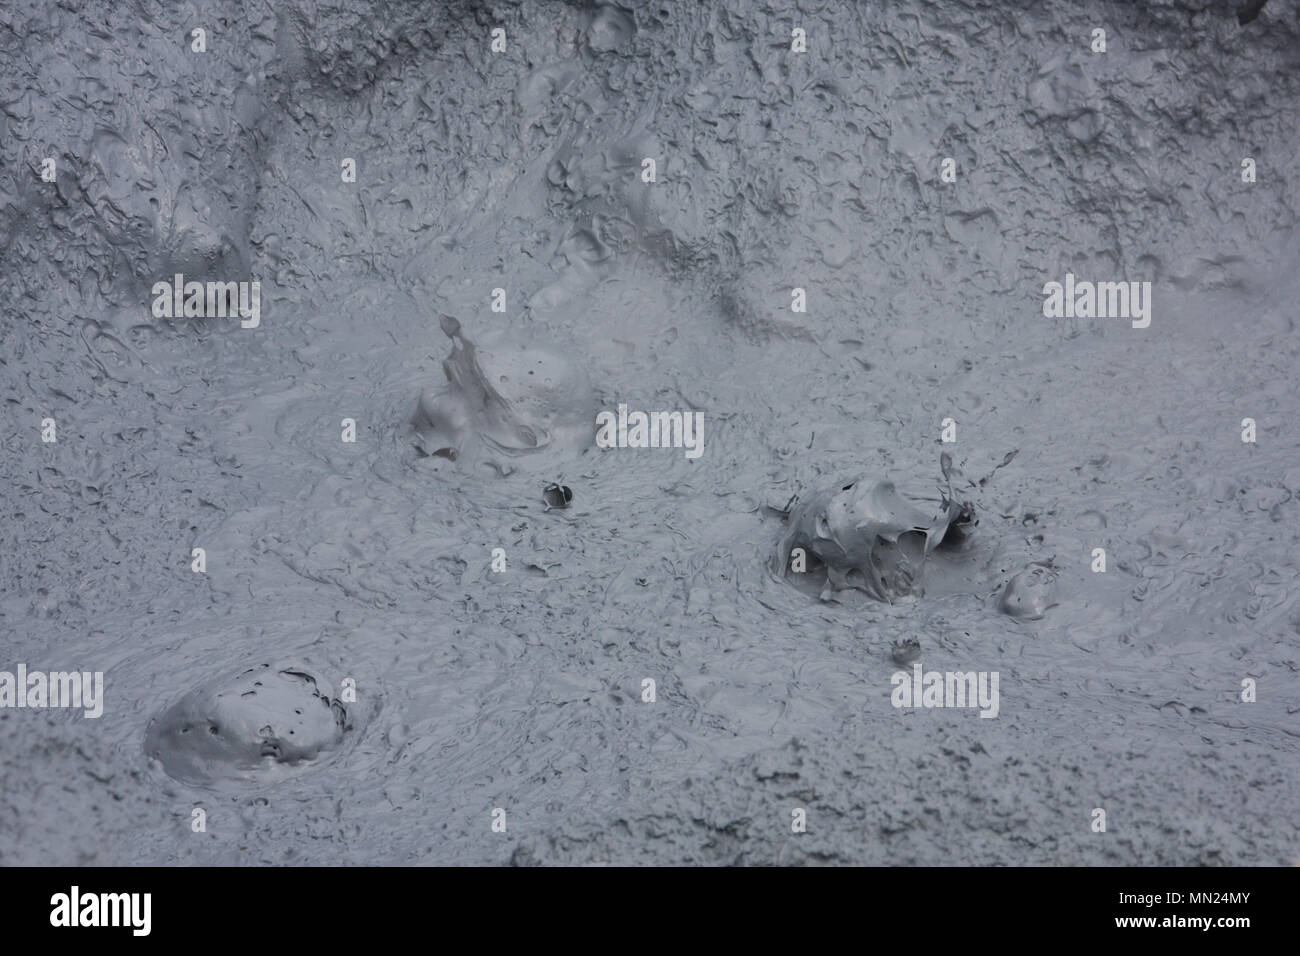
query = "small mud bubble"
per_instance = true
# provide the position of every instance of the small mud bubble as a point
(1030, 593)
(906, 650)
(557, 496)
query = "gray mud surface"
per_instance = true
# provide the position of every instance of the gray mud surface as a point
(522, 690)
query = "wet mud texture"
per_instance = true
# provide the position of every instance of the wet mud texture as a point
(522, 690)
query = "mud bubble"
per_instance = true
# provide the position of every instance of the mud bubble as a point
(257, 725)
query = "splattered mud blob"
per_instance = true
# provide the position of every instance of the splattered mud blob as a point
(505, 401)
(870, 536)
(258, 726)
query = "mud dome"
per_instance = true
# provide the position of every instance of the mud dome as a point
(255, 727)
(507, 402)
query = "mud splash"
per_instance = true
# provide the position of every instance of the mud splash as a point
(505, 402)
(871, 537)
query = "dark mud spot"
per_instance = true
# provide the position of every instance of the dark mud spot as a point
(256, 726)
(1249, 11)
(557, 496)
(906, 650)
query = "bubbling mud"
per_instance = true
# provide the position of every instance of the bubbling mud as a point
(871, 537)
(505, 402)
(259, 725)
(1031, 593)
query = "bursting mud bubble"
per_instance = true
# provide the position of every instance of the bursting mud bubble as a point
(870, 536)
(849, 237)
